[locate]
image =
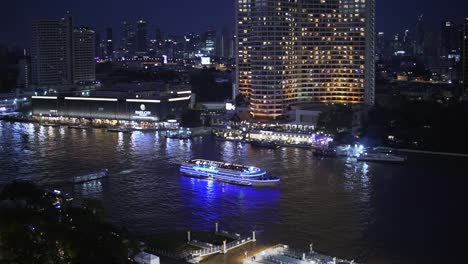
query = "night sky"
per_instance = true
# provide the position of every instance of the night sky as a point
(179, 16)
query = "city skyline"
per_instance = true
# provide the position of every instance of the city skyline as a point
(196, 16)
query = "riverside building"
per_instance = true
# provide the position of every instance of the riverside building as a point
(303, 52)
(113, 107)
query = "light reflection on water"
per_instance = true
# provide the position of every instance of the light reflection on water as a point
(346, 208)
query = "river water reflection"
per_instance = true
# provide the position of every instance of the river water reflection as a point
(374, 213)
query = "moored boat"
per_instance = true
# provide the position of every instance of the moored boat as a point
(227, 172)
(79, 127)
(91, 177)
(119, 130)
(50, 124)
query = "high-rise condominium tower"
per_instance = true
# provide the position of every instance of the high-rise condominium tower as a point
(51, 51)
(62, 54)
(83, 55)
(305, 51)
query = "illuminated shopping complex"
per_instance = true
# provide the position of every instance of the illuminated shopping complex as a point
(305, 52)
(109, 110)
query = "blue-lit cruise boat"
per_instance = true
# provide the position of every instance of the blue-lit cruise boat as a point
(227, 172)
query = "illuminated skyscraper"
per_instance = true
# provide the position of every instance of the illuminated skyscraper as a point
(305, 51)
(83, 55)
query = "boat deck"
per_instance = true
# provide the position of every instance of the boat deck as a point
(222, 165)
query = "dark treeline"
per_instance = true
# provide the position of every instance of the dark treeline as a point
(41, 227)
(426, 125)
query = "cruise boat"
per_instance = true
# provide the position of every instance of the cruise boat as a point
(91, 177)
(227, 172)
(381, 157)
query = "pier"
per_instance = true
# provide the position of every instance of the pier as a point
(282, 254)
(208, 249)
(204, 248)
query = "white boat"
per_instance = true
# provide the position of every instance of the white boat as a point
(119, 130)
(91, 177)
(50, 125)
(79, 127)
(381, 157)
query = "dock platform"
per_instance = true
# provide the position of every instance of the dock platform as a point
(284, 255)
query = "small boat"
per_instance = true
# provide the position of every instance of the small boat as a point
(382, 150)
(119, 130)
(177, 136)
(79, 127)
(325, 152)
(50, 124)
(91, 177)
(265, 144)
(381, 157)
(227, 172)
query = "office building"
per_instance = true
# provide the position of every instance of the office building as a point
(24, 74)
(141, 37)
(419, 37)
(223, 44)
(128, 39)
(449, 41)
(109, 44)
(303, 52)
(51, 51)
(83, 56)
(380, 46)
(100, 46)
(209, 43)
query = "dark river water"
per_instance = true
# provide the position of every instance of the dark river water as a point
(373, 213)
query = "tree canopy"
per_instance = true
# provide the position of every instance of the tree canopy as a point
(41, 227)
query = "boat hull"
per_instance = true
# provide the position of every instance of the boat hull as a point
(227, 176)
(119, 130)
(79, 127)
